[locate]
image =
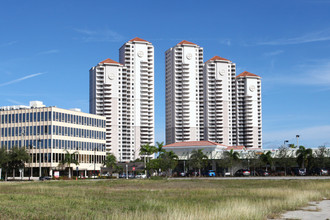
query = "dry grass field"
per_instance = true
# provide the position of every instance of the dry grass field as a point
(157, 199)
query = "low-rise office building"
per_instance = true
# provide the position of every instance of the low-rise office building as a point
(48, 133)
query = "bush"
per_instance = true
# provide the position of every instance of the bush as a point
(157, 178)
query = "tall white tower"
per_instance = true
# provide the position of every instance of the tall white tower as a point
(248, 110)
(105, 99)
(184, 93)
(129, 101)
(219, 84)
(138, 56)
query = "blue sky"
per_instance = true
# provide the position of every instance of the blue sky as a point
(48, 47)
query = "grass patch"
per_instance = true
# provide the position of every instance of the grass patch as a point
(157, 199)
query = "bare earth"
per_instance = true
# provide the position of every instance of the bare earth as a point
(316, 210)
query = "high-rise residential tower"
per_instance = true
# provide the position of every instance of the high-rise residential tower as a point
(219, 88)
(184, 93)
(248, 128)
(206, 101)
(124, 93)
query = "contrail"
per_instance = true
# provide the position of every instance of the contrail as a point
(20, 79)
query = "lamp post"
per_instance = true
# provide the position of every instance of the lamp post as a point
(286, 141)
(297, 136)
(94, 160)
(39, 156)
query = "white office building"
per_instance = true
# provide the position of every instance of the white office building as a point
(48, 133)
(184, 93)
(248, 130)
(124, 92)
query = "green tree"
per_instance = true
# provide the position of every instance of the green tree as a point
(4, 159)
(168, 161)
(304, 156)
(145, 151)
(68, 160)
(110, 162)
(160, 147)
(232, 157)
(284, 159)
(17, 156)
(198, 160)
(321, 156)
(266, 159)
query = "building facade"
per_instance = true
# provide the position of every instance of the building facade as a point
(219, 100)
(184, 93)
(124, 92)
(48, 133)
(248, 130)
(206, 101)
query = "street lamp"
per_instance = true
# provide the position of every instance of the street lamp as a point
(297, 136)
(286, 141)
(38, 144)
(94, 160)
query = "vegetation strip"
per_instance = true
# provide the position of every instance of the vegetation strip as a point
(157, 199)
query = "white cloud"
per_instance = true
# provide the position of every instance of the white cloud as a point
(226, 42)
(8, 44)
(273, 53)
(313, 74)
(104, 35)
(20, 79)
(306, 38)
(48, 52)
(319, 135)
(14, 102)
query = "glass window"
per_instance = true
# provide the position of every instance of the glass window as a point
(42, 116)
(23, 117)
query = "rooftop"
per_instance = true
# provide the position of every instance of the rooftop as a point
(204, 144)
(138, 39)
(218, 58)
(186, 42)
(110, 61)
(246, 73)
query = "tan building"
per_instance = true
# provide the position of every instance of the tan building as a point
(49, 132)
(124, 93)
(184, 93)
(219, 88)
(248, 129)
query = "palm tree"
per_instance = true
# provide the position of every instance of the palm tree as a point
(110, 162)
(303, 156)
(69, 159)
(145, 151)
(198, 160)
(266, 158)
(233, 156)
(160, 147)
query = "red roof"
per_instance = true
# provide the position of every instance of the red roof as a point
(235, 147)
(246, 73)
(193, 143)
(217, 58)
(110, 61)
(138, 39)
(186, 42)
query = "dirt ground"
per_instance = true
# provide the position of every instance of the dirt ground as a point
(316, 210)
